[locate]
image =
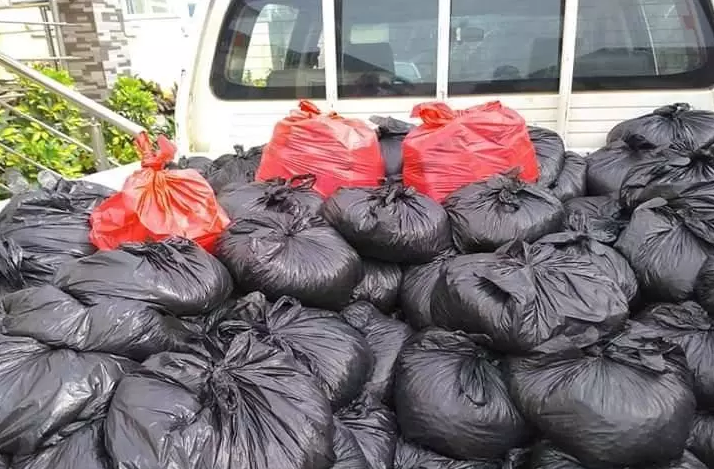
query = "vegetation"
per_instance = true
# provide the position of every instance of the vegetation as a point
(138, 100)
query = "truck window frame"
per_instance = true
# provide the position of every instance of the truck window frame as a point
(699, 78)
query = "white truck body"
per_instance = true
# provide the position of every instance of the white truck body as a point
(575, 66)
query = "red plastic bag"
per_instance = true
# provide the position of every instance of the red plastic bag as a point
(339, 152)
(452, 149)
(156, 204)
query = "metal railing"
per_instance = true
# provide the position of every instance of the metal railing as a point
(52, 26)
(95, 112)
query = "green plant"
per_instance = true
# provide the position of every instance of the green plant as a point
(256, 82)
(140, 101)
(36, 143)
(132, 100)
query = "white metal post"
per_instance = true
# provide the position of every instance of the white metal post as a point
(567, 65)
(329, 38)
(443, 49)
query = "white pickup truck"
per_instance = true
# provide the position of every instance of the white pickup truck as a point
(575, 66)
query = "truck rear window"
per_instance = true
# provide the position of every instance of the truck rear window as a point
(272, 49)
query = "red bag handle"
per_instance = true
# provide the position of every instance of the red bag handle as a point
(151, 158)
(308, 110)
(434, 114)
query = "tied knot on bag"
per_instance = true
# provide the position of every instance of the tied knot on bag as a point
(393, 189)
(586, 228)
(279, 190)
(308, 110)
(224, 390)
(705, 154)
(632, 349)
(507, 186)
(301, 220)
(439, 114)
(232, 319)
(151, 157)
(687, 316)
(639, 143)
(436, 114)
(160, 254)
(672, 110)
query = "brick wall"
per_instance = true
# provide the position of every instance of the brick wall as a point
(98, 38)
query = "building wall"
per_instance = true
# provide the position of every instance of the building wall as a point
(109, 42)
(97, 37)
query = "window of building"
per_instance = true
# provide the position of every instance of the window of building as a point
(270, 50)
(511, 45)
(148, 7)
(386, 48)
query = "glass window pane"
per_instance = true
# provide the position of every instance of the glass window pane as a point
(270, 50)
(503, 43)
(511, 45)
(386, 47)
(641, 38)
(136, 7)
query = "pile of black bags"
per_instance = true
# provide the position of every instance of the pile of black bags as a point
(565, 324)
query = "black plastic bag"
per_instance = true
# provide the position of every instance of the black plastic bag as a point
(4, 463)
(392, 223)
(11, 261)
(704, 286)
(589, 239)
(417, 289)
(237, 168)
(523, 295)
(572, 181)
(603, 207)
(51, 226)
(380, 285)
(688, 326)
(48, 391)
(278, 194)
(291, 254)
(348, 454)
(545, 456)
(335, 353)
(677, 122)
(486, 215)
(200, 164)
(701, 438)
(450, 397)
(128, 328)
(667, 243)
(253, 407)
(550, 151)
(609, 166)
(83, 449)
(623, 400)
(680, 171)
(410, 456)
(177, 276)
(386, 337)
(391, 133)
(374, 428)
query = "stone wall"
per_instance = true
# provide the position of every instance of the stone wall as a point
(97, 37)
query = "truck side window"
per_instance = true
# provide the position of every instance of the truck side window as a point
(386, 48)
(514, 46)
(270, 49)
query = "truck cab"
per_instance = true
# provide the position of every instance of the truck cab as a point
(575, 66)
